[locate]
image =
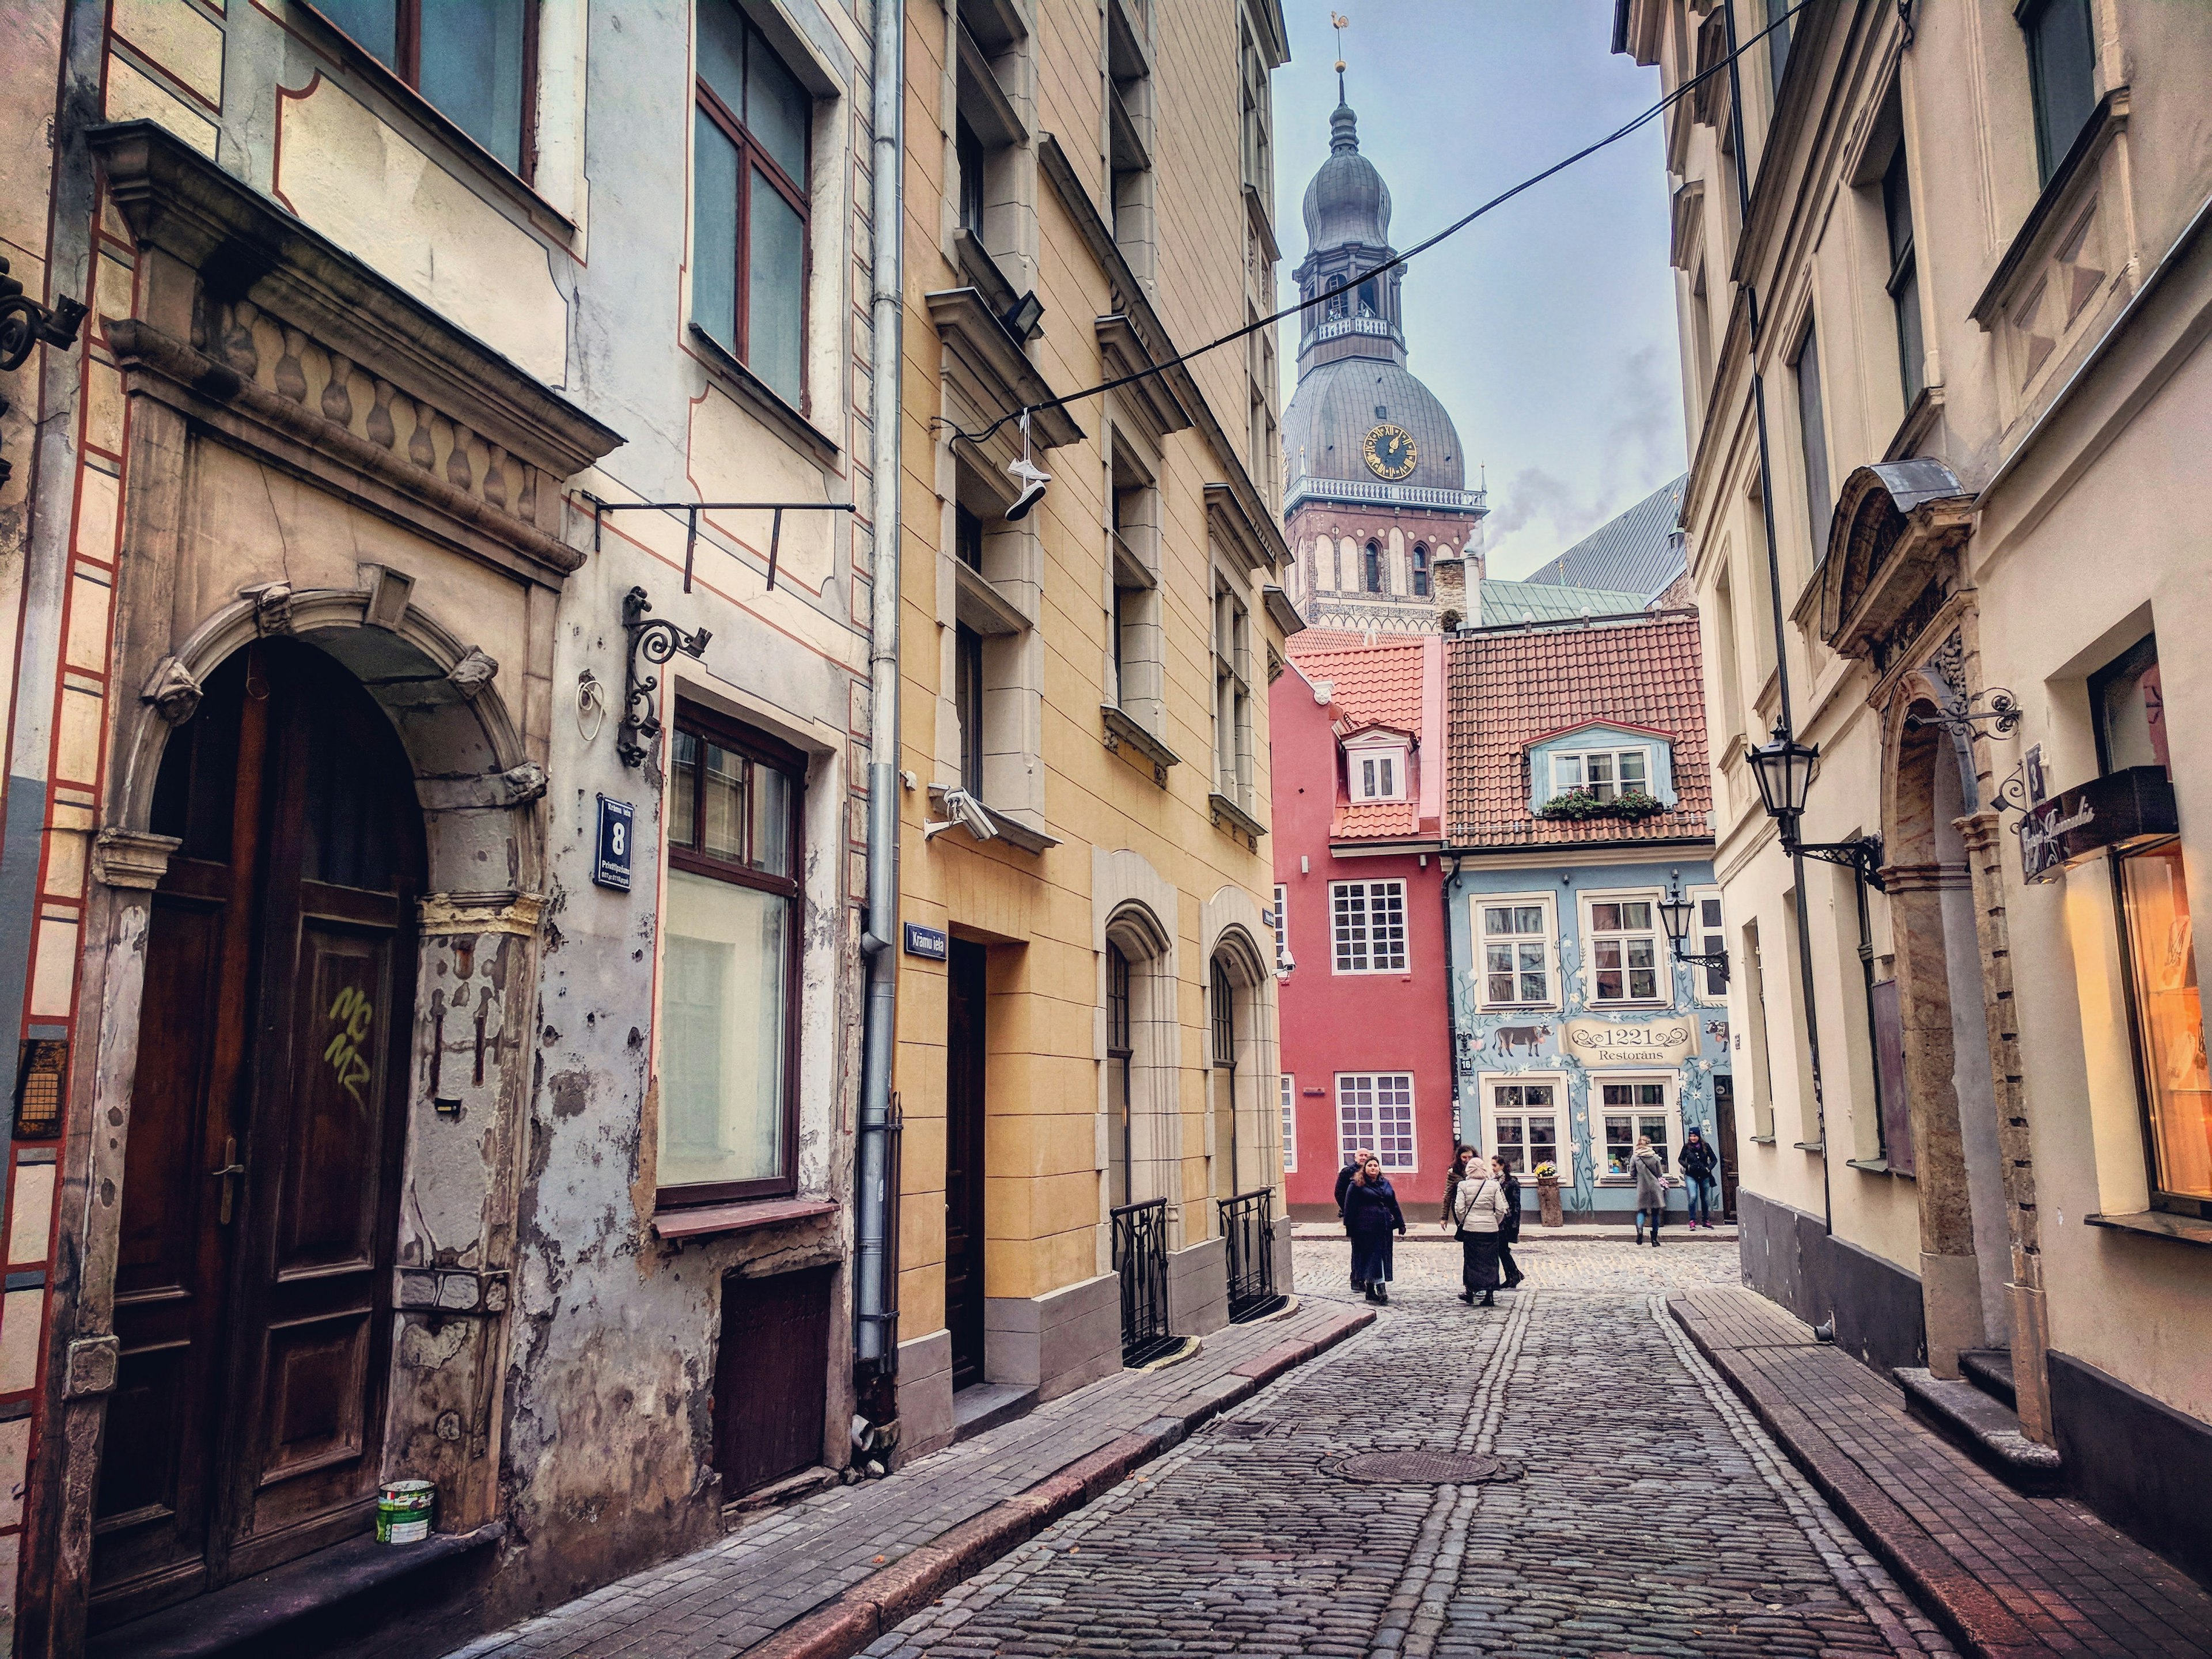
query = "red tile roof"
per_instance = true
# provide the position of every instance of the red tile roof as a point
(1508, 688)
(1370, 685)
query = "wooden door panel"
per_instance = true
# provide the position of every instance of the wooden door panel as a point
(771, 1378)
(314, 1373)
(139, 1473)
(165, 1160)
(329, 1194)
(963, 1160)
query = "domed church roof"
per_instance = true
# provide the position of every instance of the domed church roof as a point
(1338, 403)
(1347, 200)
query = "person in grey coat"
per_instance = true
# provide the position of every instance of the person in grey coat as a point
(1650, 1172)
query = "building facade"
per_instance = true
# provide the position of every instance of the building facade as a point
(1358, 780)
(1576, 805)
(1385, 536)
(1087, 1041)
(1976, 253)
(436, 977)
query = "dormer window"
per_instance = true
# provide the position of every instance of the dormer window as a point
(1378, 777)
(1607, 774)
(1375, 766)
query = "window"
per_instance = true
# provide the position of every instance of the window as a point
(1762, 1058)
(1290, 1123)
(1368, 922)
(1516, 951)
(1120, 1053)
(1813, 435)
(1632, 1109)
(2062, 75)
(1377, 773)
(1223, 1015)
(968, 538)
(1282, 928)
(1524, 1126)
(968, 705)
(1904, 274)
(1624, 952)
(1374, 1113)
(1370, 570)
(969, 148)
(1421, 572)
(1233, 696)
(1777, 44)
(729, 1099)
(1708, 938)
(2166, 1009)
(749, 200)
(1607, 774)
(476, 63)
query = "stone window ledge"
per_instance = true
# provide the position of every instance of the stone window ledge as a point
(698, 1221)
(2158, 1224)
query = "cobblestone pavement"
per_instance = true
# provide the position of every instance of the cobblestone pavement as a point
(1650, 1515)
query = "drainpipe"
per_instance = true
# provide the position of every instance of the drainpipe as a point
(1774, 592)
(1451, 980)
(875, 1335)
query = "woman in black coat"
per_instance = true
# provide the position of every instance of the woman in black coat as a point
(1508, 1230)
(1372, 1216)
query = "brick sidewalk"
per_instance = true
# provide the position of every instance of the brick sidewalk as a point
(823, 1577)
(2009, 1575)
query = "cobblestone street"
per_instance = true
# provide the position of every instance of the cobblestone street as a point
(1644, 1512)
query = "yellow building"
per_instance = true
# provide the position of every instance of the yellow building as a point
(1085, 989)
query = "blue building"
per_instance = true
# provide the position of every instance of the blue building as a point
(1578, 798)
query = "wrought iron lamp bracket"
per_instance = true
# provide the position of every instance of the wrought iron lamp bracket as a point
(1861, 857)
(25, 325)
(1704, 959)
(656, 639)
(2012, 795)
(2004, 714)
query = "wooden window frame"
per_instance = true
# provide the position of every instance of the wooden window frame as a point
(1669, 1085)
(1661, 961)
(1548, 939)
(1373, 1083)
(407, 47)
(1560, 1110)
(751, 154)
(1340, 917)
(760, 749)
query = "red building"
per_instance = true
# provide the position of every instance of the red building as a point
(1359, 736)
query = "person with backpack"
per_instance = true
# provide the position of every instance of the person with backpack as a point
(1700, 1163)
(1479, 1214)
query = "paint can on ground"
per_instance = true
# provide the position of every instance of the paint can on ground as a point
(403, 1511)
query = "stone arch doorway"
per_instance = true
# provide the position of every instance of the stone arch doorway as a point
(261, 1178)
(1965, 1241)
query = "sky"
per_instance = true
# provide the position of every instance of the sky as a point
(1547, 326)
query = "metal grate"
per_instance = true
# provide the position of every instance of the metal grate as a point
(40, 1067)
(1248, 1224)
(1424, 1468)
(1140, 1257)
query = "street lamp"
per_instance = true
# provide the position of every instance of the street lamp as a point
(1675, 916)
(1784, 769)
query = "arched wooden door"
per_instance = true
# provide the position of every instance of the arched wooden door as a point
(261, 1184)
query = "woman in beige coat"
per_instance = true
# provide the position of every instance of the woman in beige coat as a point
(1478, 1210)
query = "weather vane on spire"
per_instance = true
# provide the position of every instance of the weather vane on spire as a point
(1339, 22)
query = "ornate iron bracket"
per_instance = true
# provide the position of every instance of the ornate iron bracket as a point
(1904, 19)
(2004, 714)
(2011, 793)
(25, 324)
(1863, 857)
(1705, 959)
(656, 638)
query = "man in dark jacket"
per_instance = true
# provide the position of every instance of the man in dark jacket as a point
(1698, 1162)
(1352, 1166)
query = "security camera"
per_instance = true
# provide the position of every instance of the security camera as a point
(970, 814)
(1032, 479)
(1283, 968)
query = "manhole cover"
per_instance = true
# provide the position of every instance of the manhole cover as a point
(1423, 1469)
(1242, 1429)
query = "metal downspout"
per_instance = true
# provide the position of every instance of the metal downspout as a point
(1452, 996)
(875, 1341)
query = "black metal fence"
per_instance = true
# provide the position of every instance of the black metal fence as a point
(1247, 1222)
(1140, 1257)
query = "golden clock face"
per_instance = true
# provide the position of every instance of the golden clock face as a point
(1390, 453)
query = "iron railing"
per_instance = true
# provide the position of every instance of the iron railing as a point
(1140, 1257)
(1309, 486)
(1247, 1222)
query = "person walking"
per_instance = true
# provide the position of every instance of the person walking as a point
(1372, 1216)
(1650, 1172)
(1344, 1179)
(1508, 1230)
(1698, 1161)
(1478, 1212)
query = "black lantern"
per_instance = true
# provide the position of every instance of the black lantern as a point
(1785, 769)
(1675, 916)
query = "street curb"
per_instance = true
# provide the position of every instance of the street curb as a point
(857, 1616)
(1964, 1608)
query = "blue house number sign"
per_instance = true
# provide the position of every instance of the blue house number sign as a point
(612, 869)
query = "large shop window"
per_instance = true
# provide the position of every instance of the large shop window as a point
(1624, 952)
(729, 1097)
(1367, 920)
(476, 63)
(1632, 1109)
(1375, 1112)
(1524, 1126)
(749, 136)
(2166, 1009)
(1517, 952)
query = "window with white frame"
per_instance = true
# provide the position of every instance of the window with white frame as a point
(1623, 951)
(1524, 1125)
(1708, 938)
(1636, 1107)
(1377, 774)
(1516, 949)
(1232, 697)
(1607, 774)
(1289, 1122)
(1375, 1111)
(1367, 922)
(1282, 928)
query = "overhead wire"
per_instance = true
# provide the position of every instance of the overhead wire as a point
(1686, 89)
